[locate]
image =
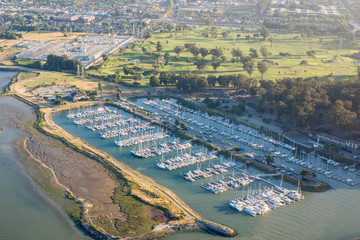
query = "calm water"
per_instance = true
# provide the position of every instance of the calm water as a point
(24, 213)
(331, 215)
(5, 78)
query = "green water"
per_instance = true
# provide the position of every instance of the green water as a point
(334, 214)
(24, 212)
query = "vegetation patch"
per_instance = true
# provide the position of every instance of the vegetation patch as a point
(138, 218)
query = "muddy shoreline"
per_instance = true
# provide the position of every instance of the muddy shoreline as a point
(19, 145)
(83, 177)
(17, 119)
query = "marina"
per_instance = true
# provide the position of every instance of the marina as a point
(125, 131)
(81, 113)
(190, 191)
(261, 202)
(141, 139)
(160, 149)
(256, 143)
(225, 184)
(86, 121)
(202, 173)
(106, 125)
(183, 160)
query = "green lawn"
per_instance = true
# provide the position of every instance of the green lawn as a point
(67, 78)
(324, 46)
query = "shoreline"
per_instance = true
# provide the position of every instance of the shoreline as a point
(94, 154)
(201, 223)
(34, 174)
(25, 157)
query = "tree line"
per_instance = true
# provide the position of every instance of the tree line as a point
(10, 35)
(187, 82)
(61, 63)
(56, 63)
(311, 103)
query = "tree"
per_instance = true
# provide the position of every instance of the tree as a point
(126, 70)
(200, 63)
(191, 83)
(61, 63)
(269, 159)
(105, 58)
(195, 51)
(167, 78)
(311, 53)
(147, 35)
(57, 99)
(154, 81)
(132, 71)
(264, 32)
(121, 51)
(189, 45)
(262, 67)
(304, 63)
(212, 80)
(216, 52)
(253, 91)
(286, 54)
(215, 65)
(178, 50)
(137, 76)
(167, 57)
(224, 34)
(306, 174)
(265, 52)
(204, 52)
(100, 86)
(253, 53)
(236, 53)
(248, 65)
(341, 116)
(159, 47)
(36, 64)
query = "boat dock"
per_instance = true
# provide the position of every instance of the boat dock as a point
(203, 173)
(185, 160)
(228, 183)
(161, 149)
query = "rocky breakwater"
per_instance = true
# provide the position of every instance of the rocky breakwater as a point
(217, 228)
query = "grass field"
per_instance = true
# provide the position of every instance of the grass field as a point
(325, 47)
(67, 79)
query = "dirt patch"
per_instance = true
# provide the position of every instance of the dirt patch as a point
(157, 215)
(84, 177)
